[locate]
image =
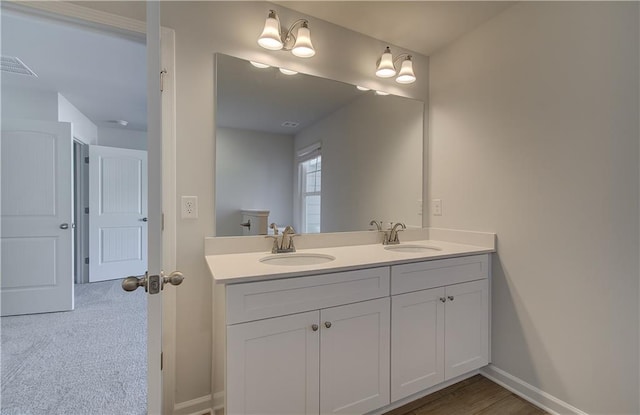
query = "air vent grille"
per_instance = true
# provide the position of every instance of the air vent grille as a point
(290, 124)
(15, 65)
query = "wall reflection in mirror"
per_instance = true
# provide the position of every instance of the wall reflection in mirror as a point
(314, 153)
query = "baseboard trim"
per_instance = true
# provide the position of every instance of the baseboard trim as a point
(197, 406)
(529, 392)
(218, 401)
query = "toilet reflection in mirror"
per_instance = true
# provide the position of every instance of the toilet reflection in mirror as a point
(318, 154)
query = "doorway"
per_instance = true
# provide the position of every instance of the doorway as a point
(71, 361)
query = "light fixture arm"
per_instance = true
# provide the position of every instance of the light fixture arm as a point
(401, 56)
(288, 38)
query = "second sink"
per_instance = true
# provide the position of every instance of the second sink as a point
(411, 249)
(298, 259)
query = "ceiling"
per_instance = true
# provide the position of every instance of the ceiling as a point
(103, 75)
(420, 26)
(263, 99)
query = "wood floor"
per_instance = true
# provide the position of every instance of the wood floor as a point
(474, 396)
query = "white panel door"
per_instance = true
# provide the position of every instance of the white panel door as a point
(37, 236)
(466, 327)
(117, 213)
(417, 341)
(354, 357)
(273, 366)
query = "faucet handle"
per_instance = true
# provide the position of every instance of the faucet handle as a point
(274, 227)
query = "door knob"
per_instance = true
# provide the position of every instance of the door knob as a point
(314, 327)
(144, 219)
(64, 226)
(327, 324)
(152, 284)
(450, 297)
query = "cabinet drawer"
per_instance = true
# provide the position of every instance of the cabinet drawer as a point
(430, 274)
(264, 299)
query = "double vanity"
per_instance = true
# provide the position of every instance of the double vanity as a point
(349, 326)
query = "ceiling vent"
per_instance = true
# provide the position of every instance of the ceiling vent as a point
(290, 124)
(14, 65)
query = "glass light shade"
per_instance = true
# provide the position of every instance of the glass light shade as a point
(382, 93)
(362, 88)
(270, 37)
(406, 75)
(303, 47)
(385, 67)
(259, 65)
(288, 71)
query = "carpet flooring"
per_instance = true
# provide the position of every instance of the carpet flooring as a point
(90, 361)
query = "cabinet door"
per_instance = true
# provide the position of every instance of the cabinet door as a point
(417, 341)
(354, 356)
(466, 327)
(273, 366)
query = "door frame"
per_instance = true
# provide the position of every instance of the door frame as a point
(137, 29)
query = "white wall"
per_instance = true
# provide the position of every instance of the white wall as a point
(534, 135)
(254, 170)
(28, 104)
(371, 162)
(122, 137)
(83, 128)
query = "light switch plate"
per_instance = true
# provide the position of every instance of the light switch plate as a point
(436, 205)
(189, 207)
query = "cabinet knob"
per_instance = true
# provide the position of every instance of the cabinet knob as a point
(314, 327)
(450, 298)
(443, 299)
(327, 324)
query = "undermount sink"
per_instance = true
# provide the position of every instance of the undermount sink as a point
(297, 259)
(411, 249)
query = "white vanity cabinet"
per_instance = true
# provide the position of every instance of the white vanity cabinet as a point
(438, 333)
(356, 341)
(333, 359)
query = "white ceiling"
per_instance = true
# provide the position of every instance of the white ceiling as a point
(262, 99)
(103, 75)
(420, 26)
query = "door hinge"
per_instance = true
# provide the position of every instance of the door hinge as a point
(86, 260)
(86, 160)
(161, 360)
(162, 73)
(86, 211)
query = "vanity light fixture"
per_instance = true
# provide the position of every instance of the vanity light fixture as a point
(362, 88)
(259, 65)
(273, 38)
(288, 71)
(382, 93)
(386, 67)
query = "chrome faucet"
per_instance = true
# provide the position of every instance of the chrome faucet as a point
(285, 242)
(393, 235)
(378, 224)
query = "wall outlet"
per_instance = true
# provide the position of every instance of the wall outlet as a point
(189, 207)
(436, 207)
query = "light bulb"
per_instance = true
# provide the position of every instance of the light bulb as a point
(382, 93)
(362, 88)
(406, 75)
(270, 37)
(259, 65)
(288, 71)
(385, 67)
(303, 47)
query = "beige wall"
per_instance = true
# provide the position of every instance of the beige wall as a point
(534, 135)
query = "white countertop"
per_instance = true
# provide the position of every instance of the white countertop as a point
(244, 267)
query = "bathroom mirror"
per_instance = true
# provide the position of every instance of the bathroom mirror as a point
(314, 153)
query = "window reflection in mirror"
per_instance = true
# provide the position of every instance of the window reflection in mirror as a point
(318, 154)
